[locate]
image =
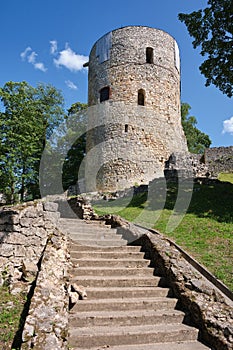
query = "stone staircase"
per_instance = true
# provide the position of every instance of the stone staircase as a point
(125, 307)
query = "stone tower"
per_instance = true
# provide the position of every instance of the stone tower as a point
(134, 107)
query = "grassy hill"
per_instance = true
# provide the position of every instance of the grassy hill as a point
(206, 230)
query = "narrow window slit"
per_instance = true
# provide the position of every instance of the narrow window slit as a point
(149, 55)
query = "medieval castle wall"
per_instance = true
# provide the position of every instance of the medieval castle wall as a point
(219, 159)
(134, 107)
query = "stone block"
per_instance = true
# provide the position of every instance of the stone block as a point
(25, 222)
(15, 238)
(29, 270)
(7, 250)
(19, 250)
(52, 216)
(50, 206)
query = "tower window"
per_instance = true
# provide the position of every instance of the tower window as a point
(141, 97)
(149, 55)
(104, 94)
(126, 127)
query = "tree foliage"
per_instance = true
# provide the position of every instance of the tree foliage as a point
(76, 153)
(212, 29)
(197, 140)
(64, 153)
(29, 115)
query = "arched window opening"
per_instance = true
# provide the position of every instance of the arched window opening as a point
(126, 127)
(149, 55)
(141, 97)
(104, 94)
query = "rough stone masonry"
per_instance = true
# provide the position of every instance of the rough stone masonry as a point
(134, 119)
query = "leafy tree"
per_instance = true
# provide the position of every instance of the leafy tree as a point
(29, 116)
(197, 141)
(64, 152)
(212, 29)
(75, 155)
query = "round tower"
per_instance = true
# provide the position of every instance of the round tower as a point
(134, 107)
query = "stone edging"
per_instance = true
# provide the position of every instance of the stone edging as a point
(46, 325)
(34, 258)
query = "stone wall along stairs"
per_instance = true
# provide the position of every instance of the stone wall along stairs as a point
(126, 308)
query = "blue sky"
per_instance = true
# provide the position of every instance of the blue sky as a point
(48, 40)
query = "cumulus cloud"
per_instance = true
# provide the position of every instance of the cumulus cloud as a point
(40, 66)
(25, 52)
(31, 56)
(53, 47)
(228, 126)
(71, 85)
(70, 60)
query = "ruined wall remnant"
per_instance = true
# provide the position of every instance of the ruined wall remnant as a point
(134, 107)
(219, 159)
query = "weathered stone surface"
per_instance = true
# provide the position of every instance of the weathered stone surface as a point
(49, 306)
(29, 270)
(219, 159)
(7, 250)
(133, 140)
(15, 238)
(50, 206)
(51, 216)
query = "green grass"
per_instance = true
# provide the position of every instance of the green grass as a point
(11, 307)
(226, 177)
(206, 230)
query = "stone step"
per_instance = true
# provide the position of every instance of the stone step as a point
(125, 248)
(125, 335)
(111, 243)
(80, 224)
(106, 271)
(124, 292)
(123, 304)
(125, 318)
(191, 345)
(89, 229)
(95, 236)
(116, 281)
(76, 221)
(89, 262)
(111, 255)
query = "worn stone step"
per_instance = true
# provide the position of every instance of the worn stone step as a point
(85, 226)
(124, 335)
(106, 271)
(95, 235)
(77, 221)
(178, 345)
(90, 230)
(88, 261)
(125, 318)
(111, 255)
(126, 292)
(101, 242)
(121, 304)
(74, 246)
(116, 281)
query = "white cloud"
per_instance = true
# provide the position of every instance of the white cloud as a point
(70, 60)
(53, 47)
(228, 126)
(40, 66)
(30, 56)
(71, 85)
(25, 52)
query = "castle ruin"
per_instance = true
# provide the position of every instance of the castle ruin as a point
(134, 107)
